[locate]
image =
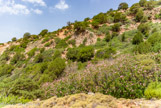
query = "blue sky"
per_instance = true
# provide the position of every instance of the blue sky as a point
(20, 16)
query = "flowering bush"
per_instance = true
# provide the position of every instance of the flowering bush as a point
(124, 77)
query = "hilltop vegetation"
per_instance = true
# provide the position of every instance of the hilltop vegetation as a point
(120, 50)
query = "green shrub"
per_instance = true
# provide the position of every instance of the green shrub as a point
(86, 19)
(26, 88)
(108, 37)
(110, 19)
(72, 42)
(38, 58)
(101, 18)
(1, 43)
(14, 39)
(155, 38)
(13, 100)
(56, 67)
(134, 8)
(105, 53)
(57, 40)
(104, 29)
(5, 56)
(123, 37)
(156, 47)
(48, 44)
(153, 90)
(85, 54)
(43, 32)
(42, 50)
(45, 40)
(72, 54)
(143, 48)
(114, 34)
(142, 2)
(144, 19)
(24, 44)
(138, 38)
(81, 65)
(67, 38)
(80, 27)
(119, 17)
(17, 57)
(123, 6)
(26, 35)
(150, 5)
(31, 53)
(57, 54)
(47, 55)
(84, 41)
(6, 69)
(100, 44)
(98, 39)
(16, 48)
(139, 15)
(95, 24)
(45, 78)
(144, 28)
(116, 27)
(61, 44)
(82, 54)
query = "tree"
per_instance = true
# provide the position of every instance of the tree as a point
(142, 3)
(139, 15)
(14, 39)
(123, 6)
(138, 38)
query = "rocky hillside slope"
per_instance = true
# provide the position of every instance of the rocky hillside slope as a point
(115, 53)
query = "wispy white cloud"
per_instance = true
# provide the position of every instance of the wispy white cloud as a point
(36, 2)
(13, 8)
(10, 7)
(62, 5)
(37, 11)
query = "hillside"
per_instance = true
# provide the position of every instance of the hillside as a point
(120, 50)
